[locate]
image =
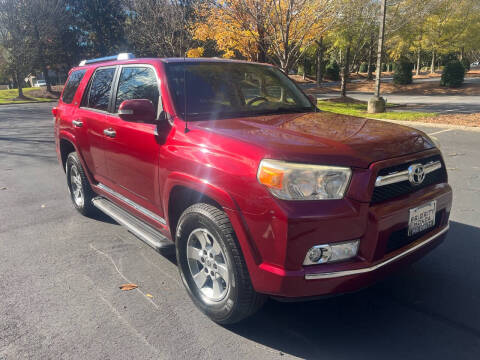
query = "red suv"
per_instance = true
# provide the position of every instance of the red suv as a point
(260, 192)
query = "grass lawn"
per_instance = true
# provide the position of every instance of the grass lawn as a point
(360, 110)
(9, 96)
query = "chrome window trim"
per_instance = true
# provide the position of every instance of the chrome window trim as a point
(403, 175)
(337, 274)
(139, 65)
(133, 204)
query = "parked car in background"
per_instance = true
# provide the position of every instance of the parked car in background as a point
(260, 192)
(40, 83)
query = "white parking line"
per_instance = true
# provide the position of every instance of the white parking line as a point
(441, 131)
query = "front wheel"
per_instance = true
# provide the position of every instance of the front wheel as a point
(212, 267)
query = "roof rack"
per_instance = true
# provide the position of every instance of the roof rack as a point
(121, 56)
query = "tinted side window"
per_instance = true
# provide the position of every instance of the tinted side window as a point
(71, 86)
(137, 83)
(100, 89)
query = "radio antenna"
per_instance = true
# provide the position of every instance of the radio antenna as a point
(184, 70)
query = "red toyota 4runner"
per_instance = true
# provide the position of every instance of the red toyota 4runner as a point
(261, 193)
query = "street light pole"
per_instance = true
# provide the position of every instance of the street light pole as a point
(377, 104)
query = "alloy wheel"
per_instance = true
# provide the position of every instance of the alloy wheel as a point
(208, 265)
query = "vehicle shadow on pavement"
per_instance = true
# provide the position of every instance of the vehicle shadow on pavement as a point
(427, 310)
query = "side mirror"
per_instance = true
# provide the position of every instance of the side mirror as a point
(137, 110)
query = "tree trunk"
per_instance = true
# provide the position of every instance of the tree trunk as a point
(304, 67)
(370, 60)
(345, 70)
(417, 71)
(19, 84)
(432, 67)
(47, 79)
(381, 38)
(320, 61)
(261, 45)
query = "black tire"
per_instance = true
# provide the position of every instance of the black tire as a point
(240, 300)
(85, 207)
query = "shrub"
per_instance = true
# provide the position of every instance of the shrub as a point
(363, 68)
(453, 74)
(332, 71)
(466, 64)
(402, 72)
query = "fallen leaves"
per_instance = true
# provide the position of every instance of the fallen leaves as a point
(127, 287)
(149, 295)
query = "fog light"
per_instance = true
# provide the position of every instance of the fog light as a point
(328, 253)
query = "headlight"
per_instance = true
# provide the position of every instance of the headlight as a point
(290, 181)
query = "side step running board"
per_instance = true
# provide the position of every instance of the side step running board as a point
(136, 226)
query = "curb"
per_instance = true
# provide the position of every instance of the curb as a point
(29, 102)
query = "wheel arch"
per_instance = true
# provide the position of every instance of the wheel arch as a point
(66, 146)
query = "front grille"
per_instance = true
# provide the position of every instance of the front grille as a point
(391, 191)
(400, 238)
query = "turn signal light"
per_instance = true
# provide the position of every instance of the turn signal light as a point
(270, 177)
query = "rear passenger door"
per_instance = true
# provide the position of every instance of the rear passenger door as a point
(92, 114)
(132, 153)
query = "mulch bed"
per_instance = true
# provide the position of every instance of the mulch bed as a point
(455, 119)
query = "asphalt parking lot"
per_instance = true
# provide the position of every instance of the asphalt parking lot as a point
(60, 273)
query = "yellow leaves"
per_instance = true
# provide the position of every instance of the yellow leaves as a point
(195, 52)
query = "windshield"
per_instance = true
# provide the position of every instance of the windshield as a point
(225, 89)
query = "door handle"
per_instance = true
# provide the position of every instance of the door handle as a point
(110, 133)
(77, 123)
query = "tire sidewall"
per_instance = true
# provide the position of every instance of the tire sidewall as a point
(217, 310)
(72, 160)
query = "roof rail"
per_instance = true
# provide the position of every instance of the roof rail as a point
(121, 56)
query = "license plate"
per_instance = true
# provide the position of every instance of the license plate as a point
(421, 218)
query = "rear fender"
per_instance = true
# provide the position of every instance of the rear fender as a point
(65, 135)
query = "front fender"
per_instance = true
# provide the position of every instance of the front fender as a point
(249, 250)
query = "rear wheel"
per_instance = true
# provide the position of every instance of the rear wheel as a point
(212, 267)
(79, 187)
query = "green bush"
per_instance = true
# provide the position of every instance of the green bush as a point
(363, 68)
(466, 64)
(402, 74)
(453, 74)
(332, 71)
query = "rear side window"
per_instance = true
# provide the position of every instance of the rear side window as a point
(72, 85)
(137, 83)
(100, 89)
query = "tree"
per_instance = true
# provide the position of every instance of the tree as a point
(52, 37)
(352, 32)
(15, 39)
(257, 29)
(158, 27)
(237, 26)
(100, 24)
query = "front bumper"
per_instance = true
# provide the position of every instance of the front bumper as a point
(373, 225)
(415, 247)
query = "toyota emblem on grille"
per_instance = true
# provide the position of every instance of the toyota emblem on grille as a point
(416, 174)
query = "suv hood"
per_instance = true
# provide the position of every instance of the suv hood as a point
(322, 137)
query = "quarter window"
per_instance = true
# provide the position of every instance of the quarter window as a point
(100, 90)
(137, 83)
(72, 85)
